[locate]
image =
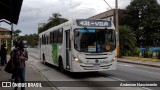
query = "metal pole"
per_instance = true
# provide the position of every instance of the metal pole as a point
(0, 41)
(117, 29)
(12, 36)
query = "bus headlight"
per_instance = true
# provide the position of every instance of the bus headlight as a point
(113, 59)
(77, 59)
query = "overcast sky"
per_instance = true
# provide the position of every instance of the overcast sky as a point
(38, 11)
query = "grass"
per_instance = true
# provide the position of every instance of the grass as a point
(140, 58)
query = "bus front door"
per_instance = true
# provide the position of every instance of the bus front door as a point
(68, 49)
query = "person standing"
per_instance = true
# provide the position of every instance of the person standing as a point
(3, 54)
(21, 56)
(12, 55)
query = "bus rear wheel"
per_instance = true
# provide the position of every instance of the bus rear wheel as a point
(61, 68)
(44, 62)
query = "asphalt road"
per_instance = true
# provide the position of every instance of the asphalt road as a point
(125, 72)
(132, 72)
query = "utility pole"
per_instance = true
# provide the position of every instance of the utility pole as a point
(117, 29)
(116, 26)
(12, 36)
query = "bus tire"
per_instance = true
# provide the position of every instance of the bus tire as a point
(44, 62)
(61, 68)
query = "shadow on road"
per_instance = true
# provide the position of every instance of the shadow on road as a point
(79, 75)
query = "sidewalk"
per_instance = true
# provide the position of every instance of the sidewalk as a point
(31, 75)
(140, 62)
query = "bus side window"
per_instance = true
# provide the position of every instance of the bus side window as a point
(42, 39)
(55, 36)
(45, 39)
(48, 38)
(60, 35)
(40, 42)
(51, 39)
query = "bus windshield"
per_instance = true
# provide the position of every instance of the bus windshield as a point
(93, 40)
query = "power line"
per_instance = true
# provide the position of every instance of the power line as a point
(107, 4)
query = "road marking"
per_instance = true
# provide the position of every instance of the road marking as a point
(116, 78)
(125, 65)
(146, 88)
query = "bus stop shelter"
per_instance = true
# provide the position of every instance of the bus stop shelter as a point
(10, 10)
(9, 13)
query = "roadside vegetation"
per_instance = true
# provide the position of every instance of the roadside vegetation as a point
(54, 20)
(140, 28)
(32, 39)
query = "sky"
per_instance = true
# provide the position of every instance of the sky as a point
(39, 11)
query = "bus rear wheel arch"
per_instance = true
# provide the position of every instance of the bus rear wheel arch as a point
(60, 64)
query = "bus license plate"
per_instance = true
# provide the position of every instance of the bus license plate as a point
(96, 66)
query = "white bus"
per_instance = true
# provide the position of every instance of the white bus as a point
(81, 45)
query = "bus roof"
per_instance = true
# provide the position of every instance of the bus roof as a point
(83, 23)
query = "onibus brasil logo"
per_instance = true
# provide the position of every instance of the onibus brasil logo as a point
(12, 84)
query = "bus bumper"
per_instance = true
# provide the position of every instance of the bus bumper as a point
(81, 67)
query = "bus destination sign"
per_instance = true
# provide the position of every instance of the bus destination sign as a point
(93, 23)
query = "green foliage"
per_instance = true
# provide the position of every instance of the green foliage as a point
(158, 55)
(127, 38)
(128, 53)
(147, 55)
(32, 39)
(9, 44)
(121, 53)
(16, 34)
(125, 53)
(54, 20)
(136, 52)
(40, 30)
(144, 17)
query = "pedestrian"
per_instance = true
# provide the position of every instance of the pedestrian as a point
(21, 57)
(3, 53)
(12, 55)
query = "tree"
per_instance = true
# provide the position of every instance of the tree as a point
(127, 38)
(32, 39)
(16, 34)
(144, 17)
(54, 20)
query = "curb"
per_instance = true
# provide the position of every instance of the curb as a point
(43, 76)
(151, 65)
